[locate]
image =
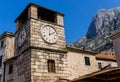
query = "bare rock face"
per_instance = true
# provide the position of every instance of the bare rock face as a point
(104, 24)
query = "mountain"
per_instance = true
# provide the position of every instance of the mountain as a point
(103, 25)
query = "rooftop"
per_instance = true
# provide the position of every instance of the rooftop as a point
(106, 57)
(115, 35)
(6, 33)
(40, 7)
(106, 75)
(81, 51)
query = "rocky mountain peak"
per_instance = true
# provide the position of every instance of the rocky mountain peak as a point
(103, 24)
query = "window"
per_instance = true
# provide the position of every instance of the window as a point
(47, 15)
(87, 61)
(99, 65)
(10, 68)
(2, 44)
(0, 78)
(51, 66)
(1, 61)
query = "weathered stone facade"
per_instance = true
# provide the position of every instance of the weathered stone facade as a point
(39, 67)
(30, 61)
(6, 50)
(116, 43)
(36, 38)
(23, 67)
(77, 66)
(30, 64)
(76, 63)
(105, 63)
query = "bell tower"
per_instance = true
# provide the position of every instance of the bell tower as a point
(40, 46)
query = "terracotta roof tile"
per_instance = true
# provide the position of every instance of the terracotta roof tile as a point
(105, 56)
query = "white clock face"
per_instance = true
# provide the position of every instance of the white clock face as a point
(21, 37)
(49, 34)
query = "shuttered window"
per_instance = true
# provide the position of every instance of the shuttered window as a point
(99, 65)
(87, 61)
(51, 66)
(10, 68)
(1, 61)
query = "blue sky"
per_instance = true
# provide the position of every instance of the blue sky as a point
(78, 13)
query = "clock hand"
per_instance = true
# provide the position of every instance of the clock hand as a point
(49, 31)
(52, 33)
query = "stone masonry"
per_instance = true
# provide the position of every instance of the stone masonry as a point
(31, 58)
(30, 61)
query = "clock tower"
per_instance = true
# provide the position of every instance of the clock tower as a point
(40, 46)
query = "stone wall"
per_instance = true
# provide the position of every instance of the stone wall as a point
(34, 68)
(9, 77)
(36, 38)
(60, 20)
(116, 43)
(9, 47)
(7, 51)
(76, 64)
(32, 56)
(39, 66)
(107, 62)
(22, 69)
(2, 54)
(26, 43)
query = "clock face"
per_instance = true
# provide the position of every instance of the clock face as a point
(49, 34)
(21, 37)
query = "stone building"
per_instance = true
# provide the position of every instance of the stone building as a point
(6, 50)
(82, 62)
(116, 44)
(105, 61)
(40, 47)
(40, 52)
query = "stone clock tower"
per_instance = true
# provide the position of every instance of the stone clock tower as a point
(40, 46)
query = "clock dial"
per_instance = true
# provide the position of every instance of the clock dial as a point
(49, 34)
(21, 37)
